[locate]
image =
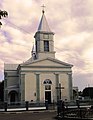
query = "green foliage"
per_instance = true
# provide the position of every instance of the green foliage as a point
(2, 91)
(88, 92)
(3, 14)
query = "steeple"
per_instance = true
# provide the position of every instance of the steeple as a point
(43, 25)
(44, 42)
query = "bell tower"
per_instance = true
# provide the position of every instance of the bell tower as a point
(44, 42)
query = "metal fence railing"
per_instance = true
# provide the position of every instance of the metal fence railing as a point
(74, 109)
(4, 106)
(78, 109)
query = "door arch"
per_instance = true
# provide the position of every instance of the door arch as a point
(47, 83)
(13, 96)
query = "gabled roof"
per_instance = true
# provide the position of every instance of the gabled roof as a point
(29, 62)
(43, 25)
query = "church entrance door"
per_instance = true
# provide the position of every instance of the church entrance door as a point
(48, 96)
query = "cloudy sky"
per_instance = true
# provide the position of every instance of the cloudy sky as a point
(70, 20)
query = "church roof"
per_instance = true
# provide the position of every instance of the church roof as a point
(43, 25)
(28, 62)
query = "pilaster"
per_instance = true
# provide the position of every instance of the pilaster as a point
(37, 87)
(70, 86)
(22, 85)
(57, 85)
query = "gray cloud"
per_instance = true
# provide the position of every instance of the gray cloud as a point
(1, 1)
(84, 80)
(7, 36)
(85, 24)
(79, 8)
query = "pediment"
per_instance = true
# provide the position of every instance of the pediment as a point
(48, 62)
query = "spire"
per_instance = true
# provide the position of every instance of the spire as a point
(33, 52)
(43, 25)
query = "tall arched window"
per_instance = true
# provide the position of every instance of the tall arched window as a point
(47, 84)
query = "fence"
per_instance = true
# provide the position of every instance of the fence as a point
(25, 106)
(76, 111)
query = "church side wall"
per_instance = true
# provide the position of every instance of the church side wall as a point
(10, 83)
(12, 78)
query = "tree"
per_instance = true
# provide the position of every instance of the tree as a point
(2, 91)
(3, 14)
(88, 92)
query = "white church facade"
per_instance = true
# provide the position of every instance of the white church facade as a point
(42, 77)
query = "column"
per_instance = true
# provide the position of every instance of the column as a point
(70, 85)
(22, 88)
(38, 87)
(57, 85)
(5, 87)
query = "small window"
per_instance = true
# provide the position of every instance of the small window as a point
(46, 45)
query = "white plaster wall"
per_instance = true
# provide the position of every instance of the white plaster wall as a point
(63, 79)
(46, 69)
(30, 87)
(42, 55)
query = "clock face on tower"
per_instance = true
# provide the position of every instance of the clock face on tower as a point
(46, 36)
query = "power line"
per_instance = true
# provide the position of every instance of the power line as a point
(17, 27)
(25, 31)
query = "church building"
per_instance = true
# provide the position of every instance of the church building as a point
(43, 76)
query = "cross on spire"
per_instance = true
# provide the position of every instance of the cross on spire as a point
(43, 6)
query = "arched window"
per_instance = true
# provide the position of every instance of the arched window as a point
(47, 81)
(47, 84)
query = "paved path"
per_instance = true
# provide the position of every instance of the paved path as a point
(28, 116)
